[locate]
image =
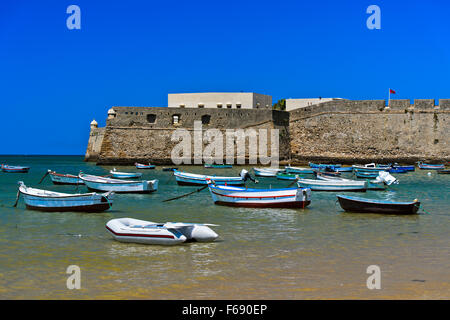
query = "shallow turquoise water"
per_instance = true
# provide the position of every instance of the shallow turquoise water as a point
(320, 252)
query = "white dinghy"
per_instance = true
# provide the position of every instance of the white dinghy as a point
(117, 185)
(44, 200)
(124, 175)
(267, 172)
(169, 233)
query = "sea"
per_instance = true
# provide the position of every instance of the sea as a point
(320, 252)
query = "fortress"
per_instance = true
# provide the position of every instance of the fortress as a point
(321, 130)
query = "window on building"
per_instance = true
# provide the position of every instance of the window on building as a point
(182, 106)
(201, 105)
(151, 118)
(238, 106)
(206, 118)
(229, 106)
(175, 119)
(219, 105)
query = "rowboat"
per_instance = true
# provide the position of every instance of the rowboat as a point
(333, 185)
(169, 233)
(299, 170)
(381, 182)
(217, 166)
(44, 200)
(117, 185)
(58, 178)
(260, 198)
(356, 204)
(344, 169)
(447, 171)
(286, 176)
(144, 166)
(365, 174)
(321, 166)
(426, 166)
(14, 169)
(266, 172)
(371, 167)
(396, 170)
(124, 175)
(193, 179)
(407, 168)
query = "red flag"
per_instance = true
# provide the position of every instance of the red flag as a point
(391, 91)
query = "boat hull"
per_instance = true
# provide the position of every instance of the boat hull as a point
(14, 169)
(104, 184)
(189, 179)
(336, 185)
(355, 205)
(65, 179)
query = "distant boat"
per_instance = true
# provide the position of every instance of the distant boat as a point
(323, 166)
(380, 183)
(356, 204)
(44, 200)
(117, 185)
(407, 168)
(217, 166)
(447, 171)
(344, 169)
(169, 233)
(58, 178)
(333, 185)
(371, 167)
(144, 166)
(169, 169)
(260, 198)
(366, 174)
(286, 176)
(396, 170)
(298, 170)
(267, 172)
(185, 178)
(124, 175)
(14, 169)
(425, 166)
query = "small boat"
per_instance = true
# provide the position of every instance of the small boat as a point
(365, 174)
(344, 169)
(169, 169)
(144, 166)
(169, 233)
(267, 172)
(124, 175)
(299, 170)
(14, 169)
(217, 166)
(44, 200)
(286, 176)
(371, 167)
(396, 170)
(59, 178)
(333, 185)
(382, 181)
(444, 171)
(356, 204)
(193, 179)
(323, 166)
(407, 168)
(119, 186)
(425, 166)
(260, 198)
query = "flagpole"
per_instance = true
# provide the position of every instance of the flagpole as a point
(389, 97)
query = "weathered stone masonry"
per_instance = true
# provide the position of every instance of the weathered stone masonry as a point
(341, 130)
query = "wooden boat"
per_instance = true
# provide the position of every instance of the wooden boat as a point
(144, 166)
(407, 168)
(396, 170)
(44, 200)
(124, 175)
(14, 169)
(217, 166)
(344, 169)
(117, 185)
(169, 233)
(365, 174)
(371, 167)
(260, 198)
(442, 171)
(356, 204)
(286, 176)
(371, 184)
(333, 185)
(58, 178)
(266, 172)
(425, 166)
(321, 165)
(298, 170)
(193, 179)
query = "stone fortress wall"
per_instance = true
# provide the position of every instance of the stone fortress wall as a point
(346, 131)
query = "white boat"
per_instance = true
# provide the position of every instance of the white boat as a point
(169, 233)
(267, 172)
(367, 167)
(185, 178)
(260, 198)
(58, 178)
(381, 182)
(117, 185)
(44, 200)
(300, 170)
(124, 175)
(333, 185)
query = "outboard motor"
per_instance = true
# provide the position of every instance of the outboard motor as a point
(386, 177)
(245, 175)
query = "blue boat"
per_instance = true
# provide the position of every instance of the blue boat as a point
(396, 170)
(344, 169)
(298, 170)
(425, 166)
(144, 166)
(365, 174)
(217, 166)
(323, 166)
(14, 169)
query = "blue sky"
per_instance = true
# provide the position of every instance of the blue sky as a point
(54, 81)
